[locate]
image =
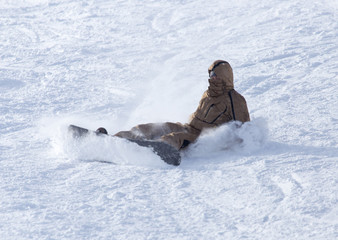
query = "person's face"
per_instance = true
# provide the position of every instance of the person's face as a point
(212, 75)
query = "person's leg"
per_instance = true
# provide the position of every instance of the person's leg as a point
(151, 131)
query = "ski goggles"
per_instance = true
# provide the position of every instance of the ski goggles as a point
(212, 74)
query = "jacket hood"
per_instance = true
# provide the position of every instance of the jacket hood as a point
(224, 73)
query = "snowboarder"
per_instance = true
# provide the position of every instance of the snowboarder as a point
(220, 103)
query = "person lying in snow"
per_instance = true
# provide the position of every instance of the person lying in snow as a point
(220, 103)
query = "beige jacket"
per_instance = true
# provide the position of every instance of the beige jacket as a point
(220, 103)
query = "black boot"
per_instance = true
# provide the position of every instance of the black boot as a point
(101, 130)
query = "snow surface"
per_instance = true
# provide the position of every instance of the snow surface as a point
(119, 63)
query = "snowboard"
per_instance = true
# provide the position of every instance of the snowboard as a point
(165, 151)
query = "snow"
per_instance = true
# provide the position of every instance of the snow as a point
(120, 63)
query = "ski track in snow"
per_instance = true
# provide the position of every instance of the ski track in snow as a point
(121, 63)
